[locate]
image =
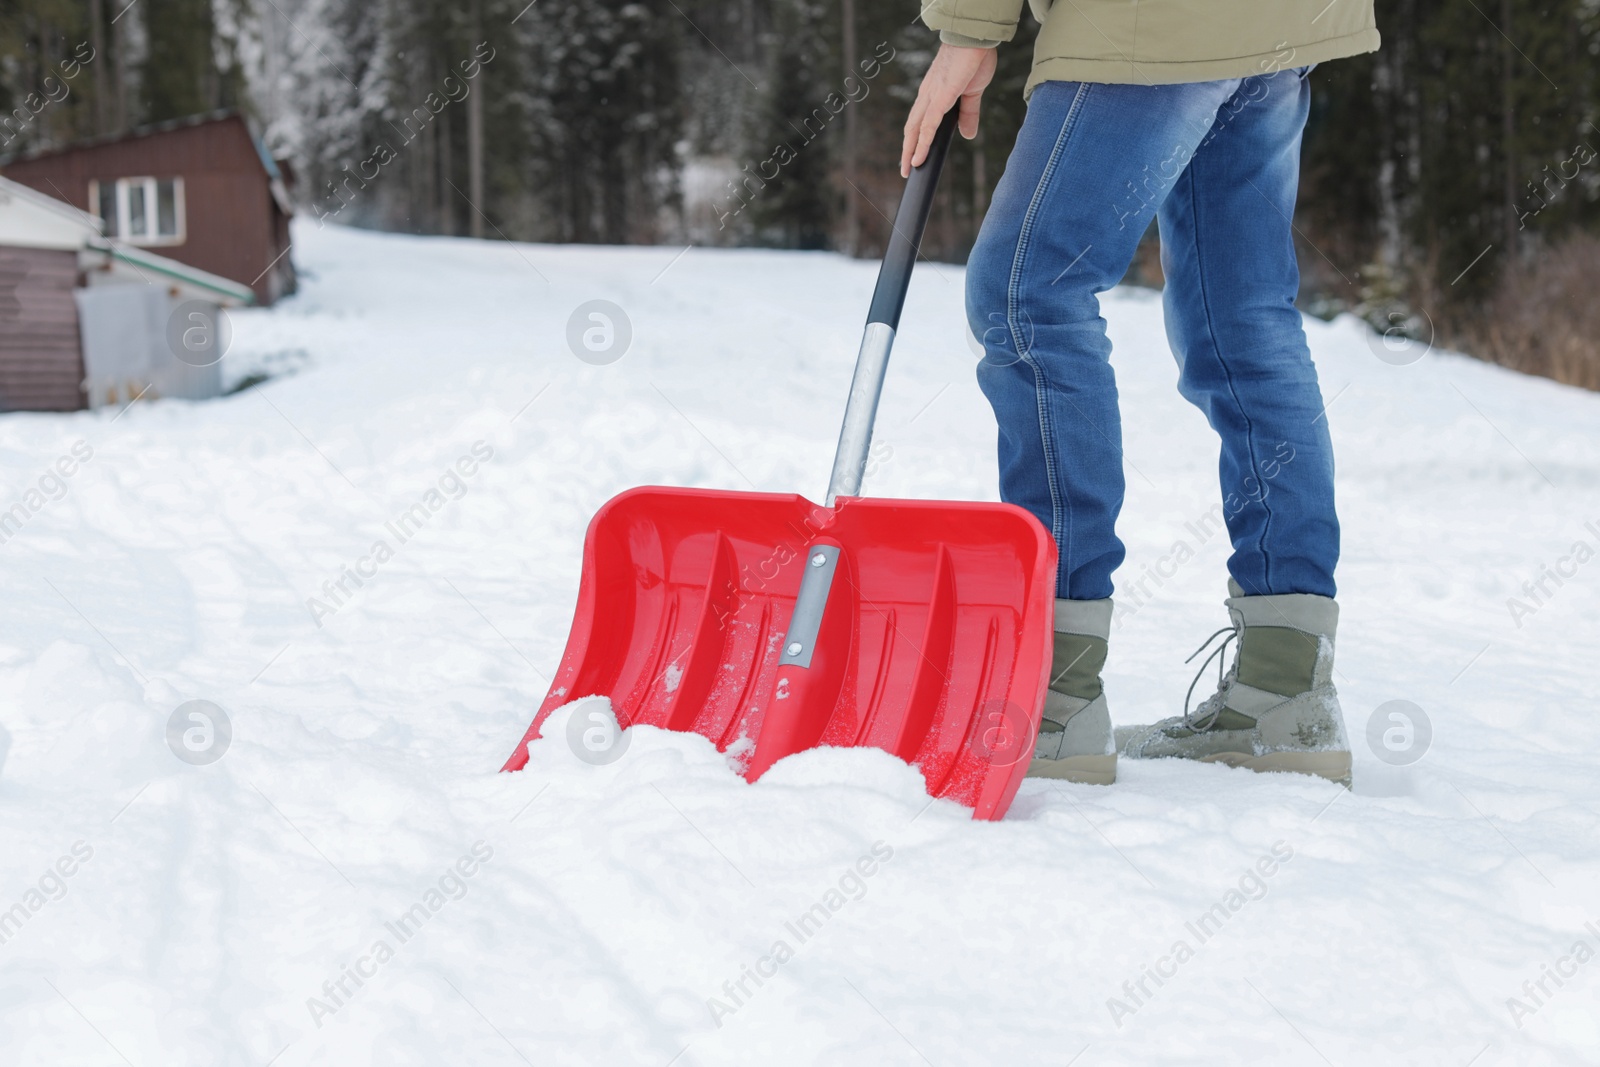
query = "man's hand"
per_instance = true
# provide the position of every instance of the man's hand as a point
(956, 74)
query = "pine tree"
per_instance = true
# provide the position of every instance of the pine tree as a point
(181, 74)
(52, 75)
(605, 119)
(1447, 157)
(785, 176)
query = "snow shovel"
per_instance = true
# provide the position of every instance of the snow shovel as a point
(770, 625)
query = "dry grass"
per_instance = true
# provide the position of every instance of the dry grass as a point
(1544, 318)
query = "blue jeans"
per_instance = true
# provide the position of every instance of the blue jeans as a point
(1218, 164)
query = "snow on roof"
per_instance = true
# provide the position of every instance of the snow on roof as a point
(31, 219)
(112, 262)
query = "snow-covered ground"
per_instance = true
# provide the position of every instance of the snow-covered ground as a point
(169, 913)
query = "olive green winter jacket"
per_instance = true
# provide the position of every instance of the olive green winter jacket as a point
(1162, 41)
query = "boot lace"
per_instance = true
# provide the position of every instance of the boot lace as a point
(1202, 725)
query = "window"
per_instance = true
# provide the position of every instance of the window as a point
(141, 211)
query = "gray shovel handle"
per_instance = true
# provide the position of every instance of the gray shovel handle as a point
(894, 277)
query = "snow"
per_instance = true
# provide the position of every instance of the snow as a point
(606, 910)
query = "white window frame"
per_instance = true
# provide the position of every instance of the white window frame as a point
(123, 219)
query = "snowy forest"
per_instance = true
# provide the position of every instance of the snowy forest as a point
(1452, 179)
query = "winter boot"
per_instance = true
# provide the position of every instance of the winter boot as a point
(1075, 740)
(1275, 709)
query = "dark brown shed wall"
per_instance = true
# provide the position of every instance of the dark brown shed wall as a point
(232, 222)
(41, 362)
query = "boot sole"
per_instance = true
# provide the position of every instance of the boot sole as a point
(1334, 766)
(1086, 770)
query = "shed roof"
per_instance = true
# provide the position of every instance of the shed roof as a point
(30, 219)
(205, 118)
(277, 182)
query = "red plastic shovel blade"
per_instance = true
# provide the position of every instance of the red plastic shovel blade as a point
(924, 630)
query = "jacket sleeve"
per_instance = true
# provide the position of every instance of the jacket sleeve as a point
(973, 23)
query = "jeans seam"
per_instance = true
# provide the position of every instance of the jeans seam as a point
(1227, 373)
(1024, 351)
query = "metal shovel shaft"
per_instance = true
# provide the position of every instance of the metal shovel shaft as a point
(883, 318)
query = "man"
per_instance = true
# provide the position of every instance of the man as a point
(1190, 113)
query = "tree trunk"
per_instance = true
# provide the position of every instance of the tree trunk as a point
(119, 74)
(446, 193)
(102, 90)
(475, 138)
(1508, 133)
(852, 214)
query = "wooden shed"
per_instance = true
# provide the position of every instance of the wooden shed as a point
(201, 190)
(89, 321)
(41, 368)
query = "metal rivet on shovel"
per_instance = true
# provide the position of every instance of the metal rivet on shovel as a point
(800, 642)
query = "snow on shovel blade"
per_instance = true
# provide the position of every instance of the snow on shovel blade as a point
(767, 622)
